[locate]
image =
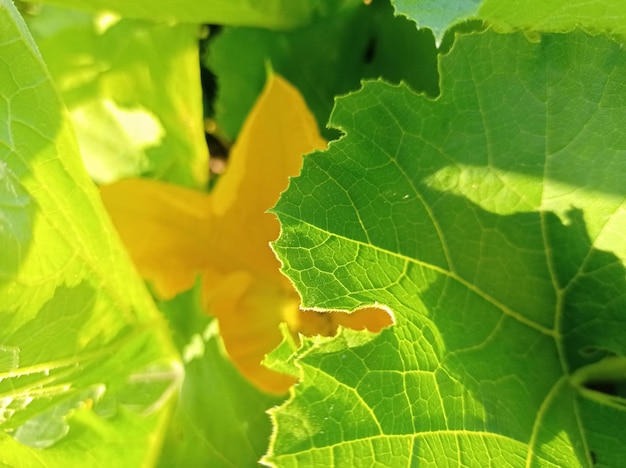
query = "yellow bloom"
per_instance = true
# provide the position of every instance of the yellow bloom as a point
(175, 234)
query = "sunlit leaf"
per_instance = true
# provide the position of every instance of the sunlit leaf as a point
(133, 91)
(85, 359)
(275, 14)
(527, 15)
(492, 221)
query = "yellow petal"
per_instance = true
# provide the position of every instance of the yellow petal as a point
(326, 323)
(165, 229)
(249, 311)
(277, 133)
(175, 233)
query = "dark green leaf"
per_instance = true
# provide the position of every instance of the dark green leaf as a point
(323, 60)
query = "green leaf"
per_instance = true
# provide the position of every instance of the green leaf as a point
(366, 42)
(126, 439)
(133, 91)
(491, 221)
(556, 15)
(84, 355)
(527, 15)
(437, 15)
(220, 419)
(275, 14)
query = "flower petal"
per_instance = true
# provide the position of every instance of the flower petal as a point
(165, 229)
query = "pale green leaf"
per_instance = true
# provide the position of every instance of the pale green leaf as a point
(436, 14)
(84, 355)
(274, 14)
(132, 88)
(492, 222)
(556, 15)
(527, 15)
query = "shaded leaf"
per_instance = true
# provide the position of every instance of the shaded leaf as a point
(220, 419)
(437, 15)
(78, 327)
(364, 42)
(491, 221)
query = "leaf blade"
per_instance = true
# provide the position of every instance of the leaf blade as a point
(455, 227)
(72, 307)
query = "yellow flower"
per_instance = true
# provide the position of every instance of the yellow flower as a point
(175, 234)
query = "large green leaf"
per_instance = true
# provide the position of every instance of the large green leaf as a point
(85, 359)
(327, 58)
(275, 14)
(133, 91)
(492, 222)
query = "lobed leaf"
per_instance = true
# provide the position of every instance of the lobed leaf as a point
(84, 357)
(437, 15)
(491, 221)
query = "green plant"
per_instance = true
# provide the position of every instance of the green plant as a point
(473, 188)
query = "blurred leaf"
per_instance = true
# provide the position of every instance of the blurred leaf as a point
(275, 14)
(78, 328)
(324, 59)
(225, 235)
(492, 222)
(437, 15)
(123, 439)
(133, 91)
(557, 15)
(220, 419)
(526, 15)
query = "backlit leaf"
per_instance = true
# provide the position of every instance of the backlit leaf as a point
(85, 359)
(132, 88)
(220, 418)
(275, 14)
